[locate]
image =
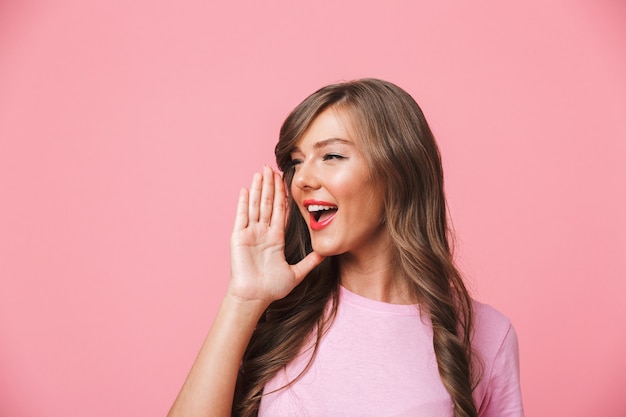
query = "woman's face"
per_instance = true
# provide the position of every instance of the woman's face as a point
(332, 187)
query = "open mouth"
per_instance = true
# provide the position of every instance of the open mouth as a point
(320, 214)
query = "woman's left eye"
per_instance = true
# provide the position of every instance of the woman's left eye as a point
(330, 156)
(294, 162)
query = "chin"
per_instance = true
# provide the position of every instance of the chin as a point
(324, 253)
(326, 250)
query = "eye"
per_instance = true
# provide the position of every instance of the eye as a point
(294, 162)
(330, 156)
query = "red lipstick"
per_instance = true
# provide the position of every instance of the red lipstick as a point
(321, 213)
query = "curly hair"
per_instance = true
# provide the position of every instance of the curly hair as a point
(403, 156)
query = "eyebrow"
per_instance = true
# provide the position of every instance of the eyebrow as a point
(327, 142)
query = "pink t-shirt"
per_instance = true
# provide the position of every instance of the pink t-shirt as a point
(377, 359)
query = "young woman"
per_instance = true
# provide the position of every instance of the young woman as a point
(344, 299)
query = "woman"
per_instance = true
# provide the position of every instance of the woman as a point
(351, 305)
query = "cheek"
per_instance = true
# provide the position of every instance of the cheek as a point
(356, 175)
(372, 199)
(347, 186)
(343, 179)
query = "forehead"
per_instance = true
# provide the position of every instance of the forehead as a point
(332, 123)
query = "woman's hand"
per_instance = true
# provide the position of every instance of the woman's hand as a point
(259, 276)
(259, 271)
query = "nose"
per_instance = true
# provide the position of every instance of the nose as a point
(305, 177)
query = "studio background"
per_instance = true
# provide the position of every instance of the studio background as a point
(128, 127)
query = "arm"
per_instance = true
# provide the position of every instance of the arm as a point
(504, 397)
(210, 385)
(259, 275)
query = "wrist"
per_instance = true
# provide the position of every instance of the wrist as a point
(245, 306)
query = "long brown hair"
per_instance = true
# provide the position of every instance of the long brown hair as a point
(403, 156)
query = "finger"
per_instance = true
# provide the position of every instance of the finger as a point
(280, 202)
(267, 195)
(254, 199)
(302, 268)
(241, 215)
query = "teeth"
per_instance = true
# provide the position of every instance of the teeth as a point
(317, 207)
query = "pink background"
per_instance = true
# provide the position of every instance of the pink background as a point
(127, 128)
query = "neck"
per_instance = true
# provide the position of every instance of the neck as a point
(375, 276)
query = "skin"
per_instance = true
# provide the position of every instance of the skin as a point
(259, 271)
(259, 275)
(330, 167)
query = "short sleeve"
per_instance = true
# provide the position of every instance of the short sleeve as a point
(503, 396)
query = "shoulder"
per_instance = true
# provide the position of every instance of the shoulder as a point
(496, 347)
(490, 325)
(487, 312)
(493, 336)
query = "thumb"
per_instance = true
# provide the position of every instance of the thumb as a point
(306, 265)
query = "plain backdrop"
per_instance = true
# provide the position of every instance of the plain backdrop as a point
(127, 128)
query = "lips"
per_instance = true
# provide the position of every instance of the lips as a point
(321, 213)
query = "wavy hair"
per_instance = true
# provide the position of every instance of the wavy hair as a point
(403, 156)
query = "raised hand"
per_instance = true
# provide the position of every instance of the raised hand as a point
(259, 271)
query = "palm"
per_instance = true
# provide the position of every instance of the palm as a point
(258, 266)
